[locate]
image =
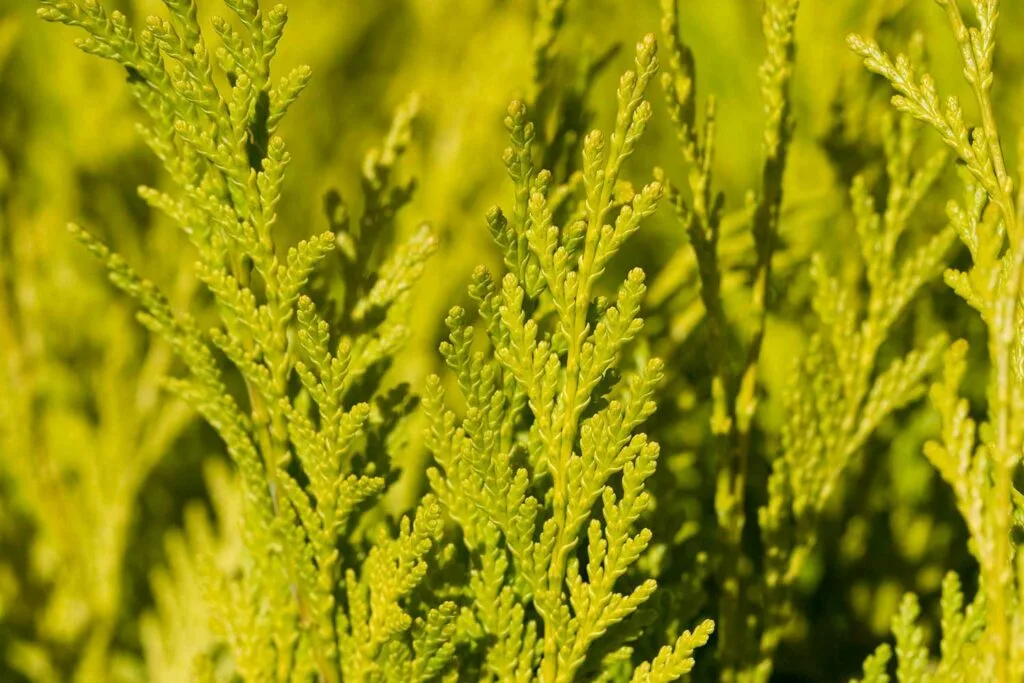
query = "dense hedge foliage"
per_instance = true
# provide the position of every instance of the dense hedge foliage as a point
(701, 359)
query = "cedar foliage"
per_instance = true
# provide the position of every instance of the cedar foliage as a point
(677, 426)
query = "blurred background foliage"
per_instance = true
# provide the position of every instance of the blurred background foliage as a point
(97, 466)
